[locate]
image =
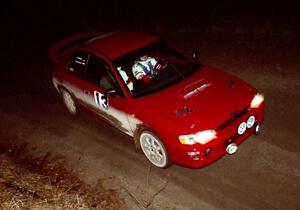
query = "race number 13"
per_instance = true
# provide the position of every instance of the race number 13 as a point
(100, 100)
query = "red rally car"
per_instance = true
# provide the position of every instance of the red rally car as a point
(176, 109)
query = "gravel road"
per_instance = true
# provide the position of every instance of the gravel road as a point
(264, 174)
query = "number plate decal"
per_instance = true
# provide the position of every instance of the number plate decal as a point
(101, 100)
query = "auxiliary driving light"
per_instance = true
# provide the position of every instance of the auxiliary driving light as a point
(250, 121)
(242, 128)
(231, 148)
(258, 128)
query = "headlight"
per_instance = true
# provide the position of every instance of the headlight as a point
(257, 100)
(201, 137)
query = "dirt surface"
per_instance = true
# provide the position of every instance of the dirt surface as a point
(27, 182)
(264, 174)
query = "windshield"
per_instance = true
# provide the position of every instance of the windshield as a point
(153, 68)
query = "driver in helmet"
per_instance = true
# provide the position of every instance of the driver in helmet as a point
(144, 66)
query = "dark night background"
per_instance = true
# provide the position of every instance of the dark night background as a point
(28, 28)
(36, 22)
(258, 41)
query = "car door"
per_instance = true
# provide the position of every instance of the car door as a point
(103, 95)
(89, 78)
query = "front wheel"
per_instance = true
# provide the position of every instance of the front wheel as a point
(154, 149)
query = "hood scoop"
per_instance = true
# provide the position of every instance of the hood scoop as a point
(194, 88)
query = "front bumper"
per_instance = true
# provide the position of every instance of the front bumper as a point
(197, 156)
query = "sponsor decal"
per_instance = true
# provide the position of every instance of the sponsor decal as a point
(196, 90)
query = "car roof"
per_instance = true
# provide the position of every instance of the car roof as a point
(116, 44)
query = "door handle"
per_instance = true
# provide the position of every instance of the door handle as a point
(86, 92)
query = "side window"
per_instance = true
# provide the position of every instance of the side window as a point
(98, 73)
(78, 64)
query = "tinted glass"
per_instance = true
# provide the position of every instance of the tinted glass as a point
(78, 64)
(98, 73)
(153, 68)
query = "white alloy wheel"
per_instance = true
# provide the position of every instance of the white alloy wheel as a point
(154, 149)
(69, 102)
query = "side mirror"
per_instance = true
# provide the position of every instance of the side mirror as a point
(196, 54)
(111, 93)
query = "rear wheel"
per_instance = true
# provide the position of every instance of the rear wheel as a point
(154, 149)
(69, 101)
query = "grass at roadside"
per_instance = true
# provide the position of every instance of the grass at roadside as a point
(36, 183)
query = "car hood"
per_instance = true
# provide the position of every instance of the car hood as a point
(203, 101)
